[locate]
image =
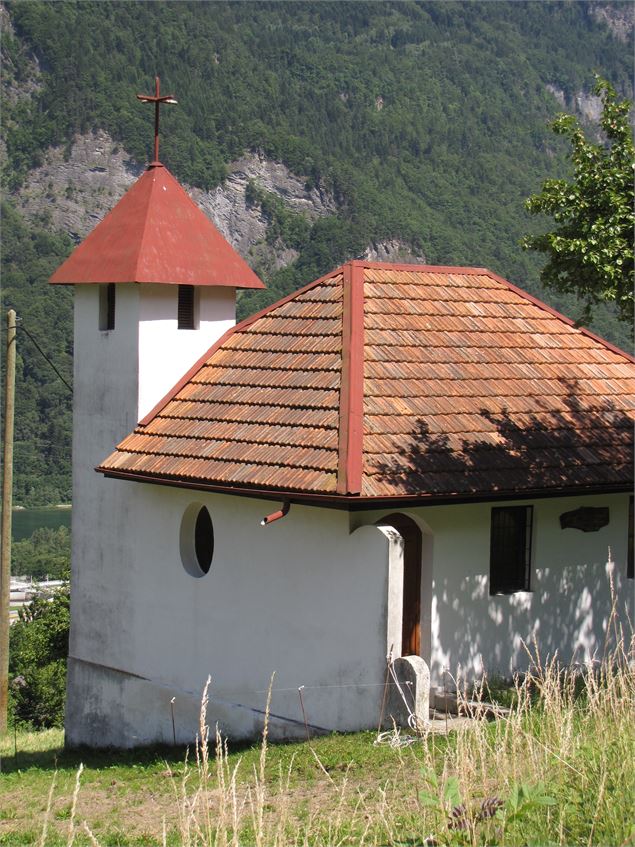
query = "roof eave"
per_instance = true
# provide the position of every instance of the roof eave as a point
(134, 280)
(355, 503)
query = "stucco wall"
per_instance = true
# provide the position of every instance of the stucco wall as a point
(165, 351)
(307, 598)
(566, 610)
(104, 412)
(105, 529)
(303, 598)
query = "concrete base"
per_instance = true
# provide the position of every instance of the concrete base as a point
(409, 694)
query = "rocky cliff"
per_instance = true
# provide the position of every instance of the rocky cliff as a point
(77, 184)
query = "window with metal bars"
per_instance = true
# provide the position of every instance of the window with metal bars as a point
(510, 549)
(107, 306)
(185, 310)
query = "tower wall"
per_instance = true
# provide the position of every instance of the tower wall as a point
(119, 375)
(166, 352)
(104, 411)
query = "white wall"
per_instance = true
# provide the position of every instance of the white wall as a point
(394, 612)
(166, 352)
(307, 598)
(566, 610)
(301, 597)
(114, 371)
(104, 412)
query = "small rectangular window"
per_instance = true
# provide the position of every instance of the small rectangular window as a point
(630, 556)
(107, 306)
(510, 549)
(185, 309)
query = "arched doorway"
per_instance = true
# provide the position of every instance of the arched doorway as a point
(411, 593)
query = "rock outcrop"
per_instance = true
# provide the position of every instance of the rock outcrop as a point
(393, 250)
(77, 185)
(619, 18)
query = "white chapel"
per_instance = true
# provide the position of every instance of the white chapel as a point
(393, 461)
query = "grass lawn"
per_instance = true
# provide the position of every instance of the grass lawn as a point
(126, 796)
(559, 769)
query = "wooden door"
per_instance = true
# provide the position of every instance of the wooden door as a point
(411, 614)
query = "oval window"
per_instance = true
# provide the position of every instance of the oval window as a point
(204, 540)
(197, 540)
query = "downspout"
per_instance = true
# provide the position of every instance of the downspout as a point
(275, 516)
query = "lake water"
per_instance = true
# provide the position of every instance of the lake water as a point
(26, 521)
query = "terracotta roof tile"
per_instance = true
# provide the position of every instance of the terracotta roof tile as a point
(284, 343)
(254, 415)
(466, 373)
(397, 381)
(274, 377)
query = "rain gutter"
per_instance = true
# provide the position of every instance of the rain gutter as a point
(355, 503)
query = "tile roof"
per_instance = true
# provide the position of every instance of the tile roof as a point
(261, 408)
(392, 381)
(156, 234)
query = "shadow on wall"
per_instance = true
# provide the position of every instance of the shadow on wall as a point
(588, 443)
(578, 446)
(567, 615)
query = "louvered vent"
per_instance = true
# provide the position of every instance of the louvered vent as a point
(107, 307)
(186, 307)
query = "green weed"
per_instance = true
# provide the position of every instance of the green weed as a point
(557, 769)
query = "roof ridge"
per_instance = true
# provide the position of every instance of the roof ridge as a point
(153, 182)
(351, 430)
(406, 266)
(556, 314)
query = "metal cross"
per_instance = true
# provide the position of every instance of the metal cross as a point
(157, 99)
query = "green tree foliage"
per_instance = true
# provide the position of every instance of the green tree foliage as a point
(46, 553)
(590, 251)
(43, 412)
(37, 660)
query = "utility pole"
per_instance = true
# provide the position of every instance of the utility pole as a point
(5, 531)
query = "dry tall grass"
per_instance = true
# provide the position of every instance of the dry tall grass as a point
(557, 769)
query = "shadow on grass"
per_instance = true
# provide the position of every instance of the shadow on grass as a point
(58, 758)
(335, 751)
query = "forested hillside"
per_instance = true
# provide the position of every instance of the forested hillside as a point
(426, 123)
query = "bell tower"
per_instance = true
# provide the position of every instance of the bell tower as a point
(155, 287)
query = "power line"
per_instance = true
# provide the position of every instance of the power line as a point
(37, 346)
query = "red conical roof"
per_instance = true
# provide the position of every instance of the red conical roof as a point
(157, 234)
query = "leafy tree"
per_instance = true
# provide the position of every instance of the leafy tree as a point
(37, 660)
(46, 553)
(590, 252)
